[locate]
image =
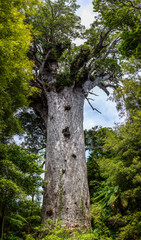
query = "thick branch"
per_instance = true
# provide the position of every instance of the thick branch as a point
(42, 84)
(104, 87)
(110, 48)
(100, 85)
(43, 63)
(100, 46)
(34, 50)
(95, 81)
(111, 86)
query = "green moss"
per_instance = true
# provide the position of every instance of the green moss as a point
(60, 196)
(63, 79)
(82, 207)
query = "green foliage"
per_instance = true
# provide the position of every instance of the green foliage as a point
(114, 169)
(99, 218)
(128, 96)
(131, 43)
(15, 67)
(94, 138)
(34, 131)
(19, 188)
(122, 17)
(116, 192)
(54, 25)
(57, 231)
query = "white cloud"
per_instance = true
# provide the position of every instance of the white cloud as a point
(87, 15)
(107, 118)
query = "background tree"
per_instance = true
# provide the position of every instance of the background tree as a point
(123, 16)
(116, 208)
(20, 181)
(33, 131)
(15, 75)
(15, 67)
(115, 181)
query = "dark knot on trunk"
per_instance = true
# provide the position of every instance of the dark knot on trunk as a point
(67, 108)
(66, 132)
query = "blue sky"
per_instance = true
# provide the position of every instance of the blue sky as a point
(109, 114)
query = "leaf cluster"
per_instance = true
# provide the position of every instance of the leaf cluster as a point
(15, 67)
(20, 184)
(124, 17)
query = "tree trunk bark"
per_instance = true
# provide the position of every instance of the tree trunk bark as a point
(66, 195)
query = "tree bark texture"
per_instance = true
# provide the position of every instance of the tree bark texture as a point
(66, 195)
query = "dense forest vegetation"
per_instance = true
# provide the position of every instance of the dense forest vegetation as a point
(36, 44)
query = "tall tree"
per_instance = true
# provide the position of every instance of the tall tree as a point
(64, 75)
(15, 66)
(15, 74)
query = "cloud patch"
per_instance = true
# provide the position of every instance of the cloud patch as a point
(109, 115)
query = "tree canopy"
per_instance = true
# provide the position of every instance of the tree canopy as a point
(15, 67)
(124, 17)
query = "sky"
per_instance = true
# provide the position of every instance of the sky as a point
(109, 115)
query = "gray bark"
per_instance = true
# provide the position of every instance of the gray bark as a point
(66, 195)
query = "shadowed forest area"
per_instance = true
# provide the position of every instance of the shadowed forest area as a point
(44, 80)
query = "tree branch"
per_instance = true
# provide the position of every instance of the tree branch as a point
(92, 106)
(34, 53)
(51, 9)
(110, 85)
(91, 99)
(43, 87)
(43, 63)
(34, 83)
(95, 81)
(93, 94)
(100, 46)
(100, 85)
(109, 48)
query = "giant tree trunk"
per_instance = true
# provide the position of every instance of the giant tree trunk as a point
(66, 195)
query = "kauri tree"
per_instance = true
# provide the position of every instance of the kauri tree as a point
(64, 74)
